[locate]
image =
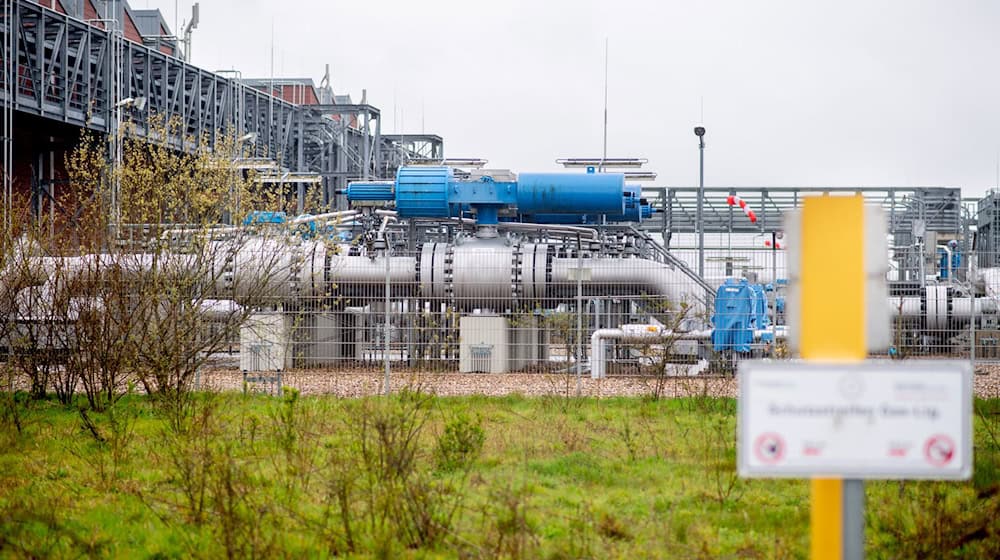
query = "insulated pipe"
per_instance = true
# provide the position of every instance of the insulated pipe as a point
(385, 223)
(205, 231)
(324, 216)
(477, 273)
(350, 222)
(961, 307)
(990, 279)
(609, 277)
(586, 233)
(332, 216)
(474, 274)
(600, 336)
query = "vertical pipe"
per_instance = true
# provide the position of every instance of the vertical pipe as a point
(385, 332)
(366, 137)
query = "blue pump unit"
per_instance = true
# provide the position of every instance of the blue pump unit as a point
(739, 308)
(262, 217)
(434, 192)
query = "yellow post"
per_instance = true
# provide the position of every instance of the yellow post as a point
(833, 327)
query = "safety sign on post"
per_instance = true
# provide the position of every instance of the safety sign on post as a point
(886, 420)
(833, 417)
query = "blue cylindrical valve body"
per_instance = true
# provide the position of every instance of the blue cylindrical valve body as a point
(422, 192)
(433, 192)
(362, 190)
(571, 193)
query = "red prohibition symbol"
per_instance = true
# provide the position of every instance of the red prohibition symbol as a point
(939, 450)
(769, 448)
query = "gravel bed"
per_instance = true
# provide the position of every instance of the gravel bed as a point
(362, 383)
(357, 383)
(350, 383)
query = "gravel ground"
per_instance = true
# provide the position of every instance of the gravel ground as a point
(356, 383)
(360, 383)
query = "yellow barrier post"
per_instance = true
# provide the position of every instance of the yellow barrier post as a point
(833, 330)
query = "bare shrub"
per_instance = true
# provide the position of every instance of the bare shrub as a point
(508, 530)
(108, 451)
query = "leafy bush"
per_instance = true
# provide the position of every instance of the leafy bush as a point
(460, 444)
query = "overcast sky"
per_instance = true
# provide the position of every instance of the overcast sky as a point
(842, 93)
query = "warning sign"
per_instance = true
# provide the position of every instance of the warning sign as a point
(769, 448)
(939, 450)
(871, 420)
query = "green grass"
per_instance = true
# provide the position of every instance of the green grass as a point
(253, 476)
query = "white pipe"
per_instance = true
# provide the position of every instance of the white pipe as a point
(600, 336)
(385, 222)
(204, 231)
(325, 216)
(947, 250)
(597, 341)
(961, 307)
(219, 309)
(608, 276)
(587, 233)
(349, 222)
(905, 306)
(990, 279)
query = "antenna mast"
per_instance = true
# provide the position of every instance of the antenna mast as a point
(604, 155)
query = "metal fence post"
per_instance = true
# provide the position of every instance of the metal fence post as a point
(579, 315)
(972, 331)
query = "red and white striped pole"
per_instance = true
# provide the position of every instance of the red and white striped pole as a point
(734, 200)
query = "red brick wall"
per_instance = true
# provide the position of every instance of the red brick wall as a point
(165, 48)
(300, 95)
(90, 12)
(131, 31)
(52, 5)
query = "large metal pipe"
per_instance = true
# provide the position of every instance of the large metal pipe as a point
(624, 277)
(493, 274)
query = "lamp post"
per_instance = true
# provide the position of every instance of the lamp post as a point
(699, 131)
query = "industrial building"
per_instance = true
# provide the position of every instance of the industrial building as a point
(412, 260)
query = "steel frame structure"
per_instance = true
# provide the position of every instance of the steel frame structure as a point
(939, 207)
(908, 209)
(66, 70)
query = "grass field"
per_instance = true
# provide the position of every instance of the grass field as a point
(419, 476)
